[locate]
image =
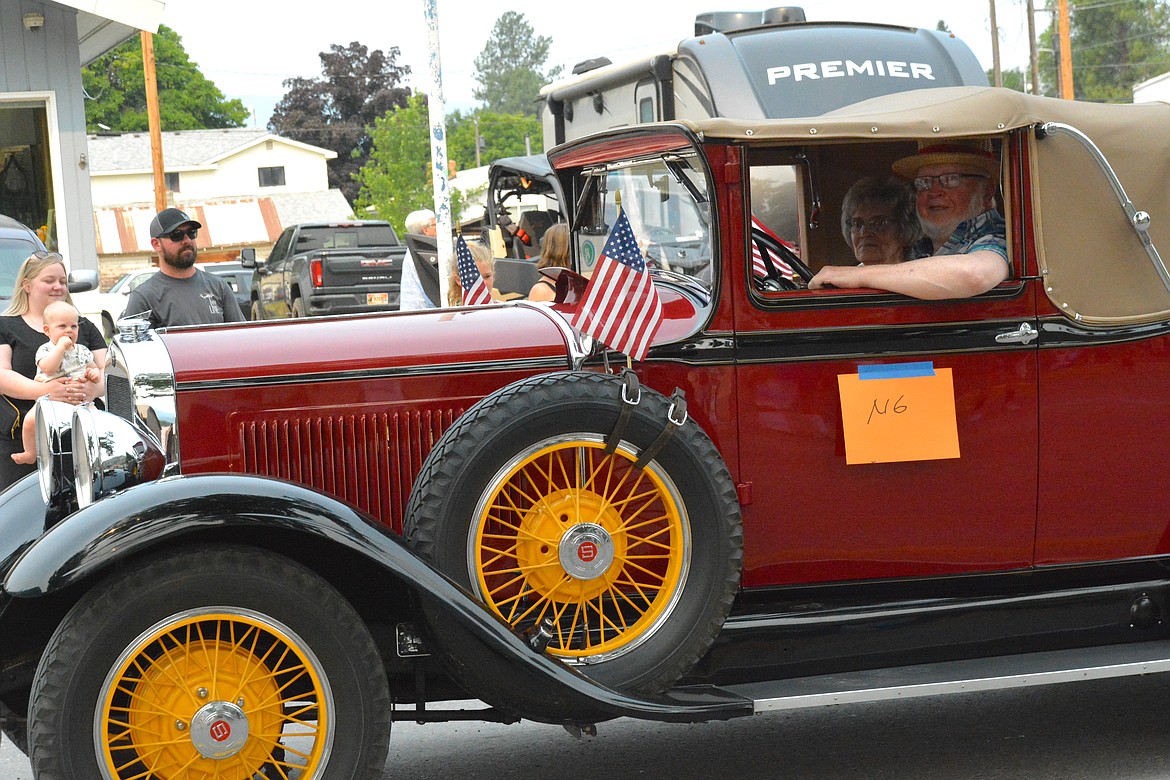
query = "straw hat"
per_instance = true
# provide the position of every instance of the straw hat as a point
(972, 154)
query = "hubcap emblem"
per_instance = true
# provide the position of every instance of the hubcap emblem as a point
(219, 730)
(586, 551)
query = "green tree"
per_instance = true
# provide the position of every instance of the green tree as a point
(500, 135)
(396, 178)
(335, 111)
(510, 69)
(1114, 46)
(1013, 78)
(116, 90)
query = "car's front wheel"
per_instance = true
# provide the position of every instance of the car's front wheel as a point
(217, 662)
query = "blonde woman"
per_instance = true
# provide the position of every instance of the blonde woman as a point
(483, 261)
(42, 280)
(554, 252)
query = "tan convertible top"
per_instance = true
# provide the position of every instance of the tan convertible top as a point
(1096, 268)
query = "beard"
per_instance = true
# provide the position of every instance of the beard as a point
(183, 257)
(939, 232)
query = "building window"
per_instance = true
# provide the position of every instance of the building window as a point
(171, 182)
(272, 177)
(646, 111)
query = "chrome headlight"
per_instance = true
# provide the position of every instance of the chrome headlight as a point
(54, 449)
(110, 453)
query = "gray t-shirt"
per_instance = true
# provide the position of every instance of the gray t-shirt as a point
(202, 299)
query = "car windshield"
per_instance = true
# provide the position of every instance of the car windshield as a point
(666, 202)
(13, 252)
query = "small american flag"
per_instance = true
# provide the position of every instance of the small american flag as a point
(621, 308)
(759, 267)
(474, 290)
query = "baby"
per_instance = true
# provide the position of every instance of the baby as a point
(59, 356)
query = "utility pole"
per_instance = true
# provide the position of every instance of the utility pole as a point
(995, 48)
(436, 111)
(152, 117)
(477, 142)
(1066, 74)
(1033, 54)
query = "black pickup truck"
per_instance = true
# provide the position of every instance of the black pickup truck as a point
(329, 268)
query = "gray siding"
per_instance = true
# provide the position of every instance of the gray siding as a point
(50, 62)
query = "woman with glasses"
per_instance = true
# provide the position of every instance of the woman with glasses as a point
(878, 220)
(41, 280)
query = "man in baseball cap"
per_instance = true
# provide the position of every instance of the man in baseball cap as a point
(181, 294)
(964, 252)
(170, 220)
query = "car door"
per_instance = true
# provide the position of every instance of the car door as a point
(811, 515)
(270, 287)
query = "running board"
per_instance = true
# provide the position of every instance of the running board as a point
(979, 674)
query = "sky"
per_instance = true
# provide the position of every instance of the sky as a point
(249, 48)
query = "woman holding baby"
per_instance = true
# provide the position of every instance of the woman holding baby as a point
(42, 280)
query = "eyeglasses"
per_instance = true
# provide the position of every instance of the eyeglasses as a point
(948, 181)
(177, 235)
(876, 224)
(41, 254)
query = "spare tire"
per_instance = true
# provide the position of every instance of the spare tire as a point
(627, 569)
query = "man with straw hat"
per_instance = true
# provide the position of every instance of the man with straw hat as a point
(964, 252)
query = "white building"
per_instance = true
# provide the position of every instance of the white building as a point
(1153, 90)
(244, 185)
(44, 161)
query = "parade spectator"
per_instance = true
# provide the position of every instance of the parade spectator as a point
(554, 253)
(41, 281)
(180, 293)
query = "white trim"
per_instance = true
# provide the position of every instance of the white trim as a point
(139, 14)
(48, 100)
(328, 154)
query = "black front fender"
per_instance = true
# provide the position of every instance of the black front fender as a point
(127, 523)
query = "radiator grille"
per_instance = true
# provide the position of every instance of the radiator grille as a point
(119, 399)
(367, 460)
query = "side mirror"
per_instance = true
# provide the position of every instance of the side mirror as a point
(248, 257)
(83, 280)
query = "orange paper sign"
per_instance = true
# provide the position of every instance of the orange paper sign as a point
(899, 412)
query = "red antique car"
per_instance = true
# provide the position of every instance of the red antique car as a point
(280, 537)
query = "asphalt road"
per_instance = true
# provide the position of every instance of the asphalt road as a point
(1109, 730)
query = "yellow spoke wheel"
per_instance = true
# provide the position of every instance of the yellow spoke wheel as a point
(214, 695)
(536, 500)
(579, 540)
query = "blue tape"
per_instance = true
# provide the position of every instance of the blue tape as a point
(895, 370)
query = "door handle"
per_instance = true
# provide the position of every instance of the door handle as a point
(1021, 335)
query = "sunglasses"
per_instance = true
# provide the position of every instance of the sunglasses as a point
(178, 235)
(41, 254)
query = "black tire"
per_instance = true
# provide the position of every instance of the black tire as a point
(298, 307)
(125, 682)
(257, 312)
(636, 574)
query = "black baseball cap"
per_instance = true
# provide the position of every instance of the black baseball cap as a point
(167, 220)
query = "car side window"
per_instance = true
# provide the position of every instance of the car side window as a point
(839, 205)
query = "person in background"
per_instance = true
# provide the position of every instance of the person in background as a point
(879, 221)
(411, 296)
(60, 356)
(41, 281)
(554, 252)
(483, 261)
(180, 293)
(966, 238)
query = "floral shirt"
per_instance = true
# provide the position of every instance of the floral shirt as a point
(986, 231)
